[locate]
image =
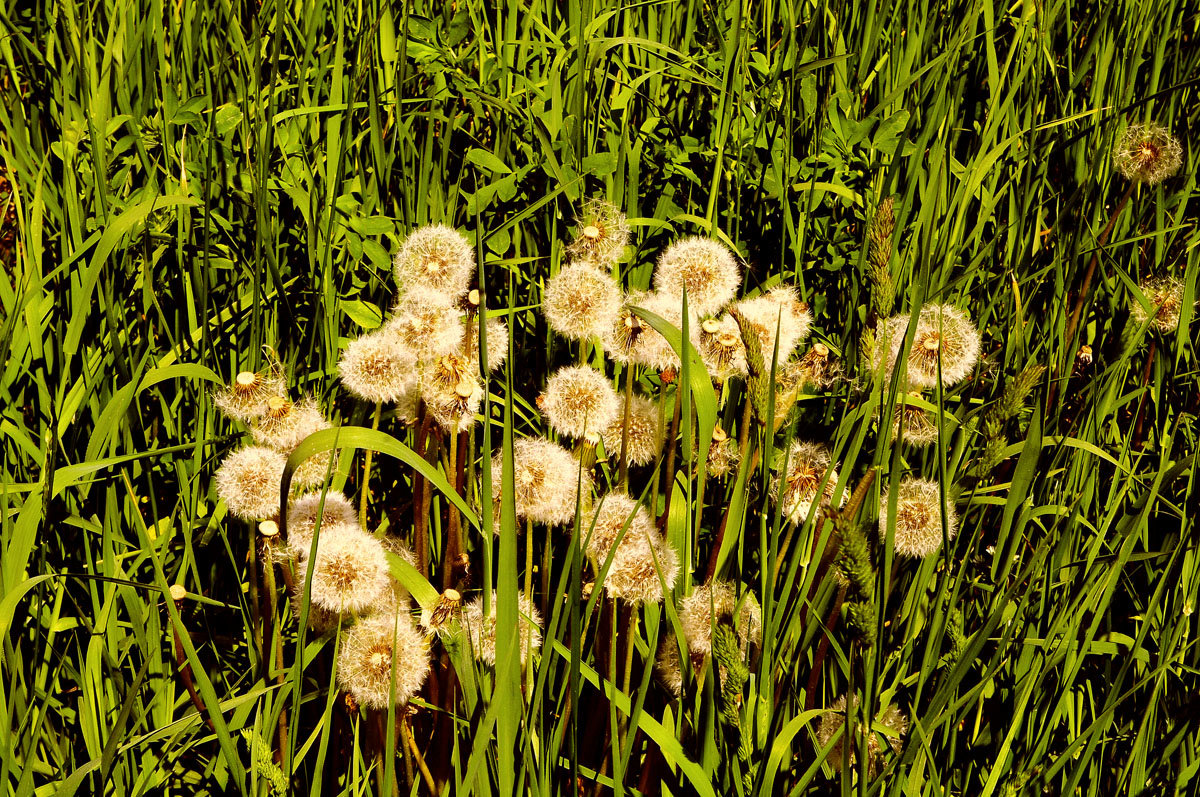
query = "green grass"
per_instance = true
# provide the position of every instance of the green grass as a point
(190, 182)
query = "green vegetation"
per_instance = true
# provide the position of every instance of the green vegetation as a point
(191, 189)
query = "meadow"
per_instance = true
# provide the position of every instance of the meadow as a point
(820, 376)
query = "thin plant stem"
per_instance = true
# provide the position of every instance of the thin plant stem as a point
(623, 473)
(365, 495)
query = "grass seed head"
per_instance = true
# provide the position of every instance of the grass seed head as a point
(706, 268)
(779, 309)
(713, 603)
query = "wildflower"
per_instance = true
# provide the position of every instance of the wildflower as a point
(918, 519)
(351, 573)
(943, 335)
(713, 603)
(603, 234)
(440, 619)
(246, 399)
(383, 661)
(723, 454)
(248, 482)
(579, 402)
(807, 466)
(330, 508)
(705, 268)
(426, 324)
(648, 347)
(377, 368)
(481, 630)
(816, 369)
(435, 258)
(778, 310)
(643, 568)
(1147, 154)
(286, 423)
(546, 481)
(452, 391)
(581, 302)
(644, 439)
(617, 514)
(1166, 297)
(889, 721)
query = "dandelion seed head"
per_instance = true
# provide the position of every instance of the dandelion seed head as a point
(779, 309)
(1147, 154)
(435, 258)
(817, 368)
(807, 464)
(365, 662)
(452, 391)
(579, 402)
(378, 368)
(602, 236)
(546, 481)
(645, 436)
(643, 569)
(669, 666)
(1166, 296)
(835, 719)
(248, 481)
(649, 347)
(721, 348)
(943, 334)
(581, 302)
(497, 344)
(713, 603)
(286, 423)
(617, 512)
(245, 399)
(304, 511)
(723, 454)
(481, 629)
(350, 572)
(913, 423)
(427, 324)
(705, 268)
(918, 518)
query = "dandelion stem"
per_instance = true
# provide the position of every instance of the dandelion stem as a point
(365, 495)
(454, 542)
(411, 745)
(623, 474)
(669, 487)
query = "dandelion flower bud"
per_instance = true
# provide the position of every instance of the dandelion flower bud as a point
(944, 334)
(706, 268)
(888, 721)
(1166, 299)
(248, 481)
(304, 512)
(435, 258)
(581, 302)
(778, 309)
(426, 324)
(452, 391)
(372, 649)
(1147, 154)
(497, 344)
(617, 513)
(579, 402)
(645, 437)
(246, 398)
(351, 573)
(602, 236)
(669, 666)
(377, 368)
(546, 481)
(712, 604)
(643, 569)
(481, 630)
(807, 466)
(918, 518)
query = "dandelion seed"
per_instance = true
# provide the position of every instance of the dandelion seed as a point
(581, 302)
(617, 513)
(817, 369)
(378, 368)
(283, 428)
(889, 721)
(713, 603)
(452, 391)
(351, 573)
(1147, 154)
(248, 482)
(481, 630)
(943, 335)
(246, 398)
(1166, 297)
(435, 258)
(579, 402)
(645, 437)
(372, 649)
(603, 234)
(807, 466)
(705, 268)
(779, 309)
(643, 569)
(632, 340)
(427, 324)
(546, 481)
(918, 518)
(912, 423)
(304, 511)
